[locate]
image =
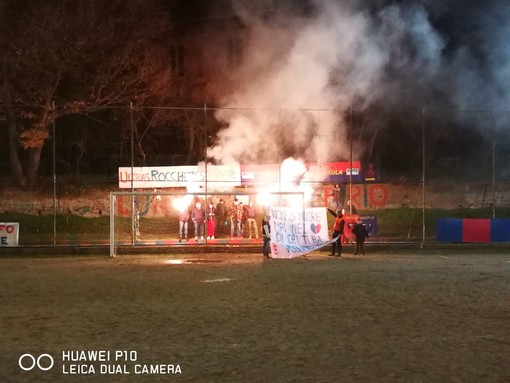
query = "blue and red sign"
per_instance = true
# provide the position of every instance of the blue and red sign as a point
(472, 230)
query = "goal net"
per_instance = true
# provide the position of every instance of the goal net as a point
(157, 221)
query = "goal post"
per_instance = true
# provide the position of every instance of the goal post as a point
(173, 221)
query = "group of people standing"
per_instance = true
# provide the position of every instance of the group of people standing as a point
(243, 217)
(217, 218)
(358, 229)
(199, 216)
(239, 219)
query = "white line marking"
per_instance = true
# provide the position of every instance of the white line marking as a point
(216, 280)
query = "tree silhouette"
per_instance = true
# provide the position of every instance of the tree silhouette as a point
(62, 57)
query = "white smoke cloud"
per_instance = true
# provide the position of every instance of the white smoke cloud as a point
(486, 82)
(302, 74)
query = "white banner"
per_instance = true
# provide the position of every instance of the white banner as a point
(9, 234)
(295, 233)
(191, 177)
(221, 177)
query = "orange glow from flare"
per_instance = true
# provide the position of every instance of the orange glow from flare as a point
(292, 172)
(182, 203)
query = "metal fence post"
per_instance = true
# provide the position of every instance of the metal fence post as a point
(424, 114)
(133, 217)
(54, 179)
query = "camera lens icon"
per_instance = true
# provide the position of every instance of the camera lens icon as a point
(44, 362)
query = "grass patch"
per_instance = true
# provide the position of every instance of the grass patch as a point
(394, 224)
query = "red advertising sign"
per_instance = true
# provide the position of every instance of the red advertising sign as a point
(329, 172)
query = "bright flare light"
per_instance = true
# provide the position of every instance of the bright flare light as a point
(292, 173)
(181, 204)
(175, 261)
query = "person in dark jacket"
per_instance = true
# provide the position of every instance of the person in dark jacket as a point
(184, 216)
(338, 230)
(221, 217)
(266, 235)
(198, 218)
(360, 232)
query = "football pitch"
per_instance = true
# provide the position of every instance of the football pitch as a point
(411, 316)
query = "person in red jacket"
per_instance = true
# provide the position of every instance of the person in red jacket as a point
(211, 220)
(338, 230)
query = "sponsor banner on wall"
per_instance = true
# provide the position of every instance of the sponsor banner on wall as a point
(191, 177)
(340, 172)
(224, 176)
(371, 173)
(331, 172)
(9, 234)
(295, 232)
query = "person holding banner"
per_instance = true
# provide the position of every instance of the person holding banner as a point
(266, 235)
(338, 230)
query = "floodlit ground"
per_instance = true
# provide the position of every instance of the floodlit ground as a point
(407, 317)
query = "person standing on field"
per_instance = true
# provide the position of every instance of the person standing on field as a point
(241, 216)
(360, 232)
(221, 217)
(236, 219)
(211, 220)
(266, 235)
(250, 213)
(198, 218)
(338, 230)
(184, 216)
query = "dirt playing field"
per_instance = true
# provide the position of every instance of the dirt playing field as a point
(434, 316)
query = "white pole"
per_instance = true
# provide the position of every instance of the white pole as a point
(493, 164)
(350, 165)
(205, 163)
(54, 180)
(133, 214)
(112, 224)
(423, 176)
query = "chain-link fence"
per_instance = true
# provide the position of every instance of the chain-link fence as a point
(403, 174)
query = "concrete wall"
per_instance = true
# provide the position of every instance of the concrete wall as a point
(95, 202)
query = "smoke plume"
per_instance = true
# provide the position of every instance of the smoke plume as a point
(306, 69)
